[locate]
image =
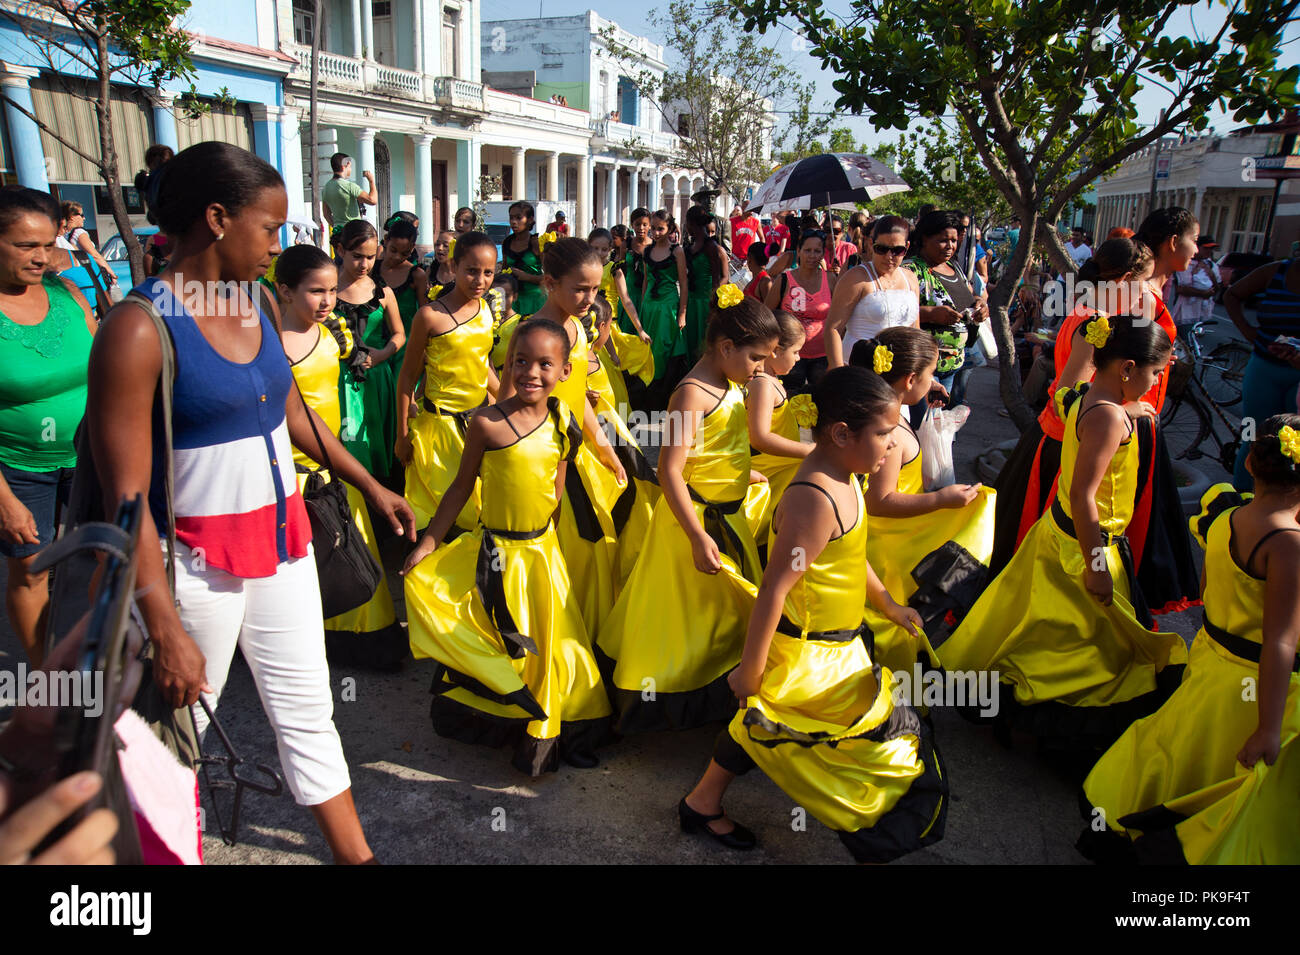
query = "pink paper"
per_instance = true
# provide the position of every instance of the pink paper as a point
(164, 795)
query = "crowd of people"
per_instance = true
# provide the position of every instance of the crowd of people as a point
(767, 555)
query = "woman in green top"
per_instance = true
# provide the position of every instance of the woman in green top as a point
(523, 258)
(948, 304)
(369, 311)
(707, 268)
(45, 334)
(408, 281)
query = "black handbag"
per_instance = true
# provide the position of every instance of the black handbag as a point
(349, 574)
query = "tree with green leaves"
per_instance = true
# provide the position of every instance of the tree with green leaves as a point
(1044, 90)
(127, 42)
(725, 95)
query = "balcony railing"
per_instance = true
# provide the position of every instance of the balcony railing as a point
(346, 72)
(616, 134)
(458, 94)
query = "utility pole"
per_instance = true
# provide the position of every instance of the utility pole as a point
(1155, 167)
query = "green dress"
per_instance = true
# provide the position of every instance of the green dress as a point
(407, 305)
(531, 295)
(659, 311)
(369, 427)
(633, 269)
(699, 295)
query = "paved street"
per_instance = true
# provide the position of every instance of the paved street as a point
(424, 799)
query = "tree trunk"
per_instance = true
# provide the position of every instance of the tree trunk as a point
(108, 167)
(312, 124)
(1013, 395)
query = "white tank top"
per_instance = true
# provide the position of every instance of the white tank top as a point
(879, 309)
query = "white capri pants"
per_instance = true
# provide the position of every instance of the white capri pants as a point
(276, 622)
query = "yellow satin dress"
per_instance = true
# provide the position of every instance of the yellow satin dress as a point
(369, 635)
(675, 632)
(495, 608)
(1079, 672)
(827, 724)
(587, 530)
(455, 383)
(631, 512)
(787, 418)
(958, 543)
(1172, 781)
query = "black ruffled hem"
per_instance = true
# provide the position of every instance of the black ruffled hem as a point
(1063, 727)
(385, 649)
(454, 720)
(949, 581)
(714, 703)
(1167, 573)
(1012, 485)
(917, 819)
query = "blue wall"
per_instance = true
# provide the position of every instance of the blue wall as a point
(229, 19)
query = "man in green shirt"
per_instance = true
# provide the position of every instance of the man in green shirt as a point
(342, 196)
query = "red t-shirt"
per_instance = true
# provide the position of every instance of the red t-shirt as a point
(745, 231)
(778, 236)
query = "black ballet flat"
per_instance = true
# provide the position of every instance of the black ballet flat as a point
(738, 838)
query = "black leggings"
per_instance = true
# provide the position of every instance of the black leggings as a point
(728, 754)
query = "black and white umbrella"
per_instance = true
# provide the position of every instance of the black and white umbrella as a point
(828, 179)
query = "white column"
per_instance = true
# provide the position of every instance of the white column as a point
(417, 36)
(366, 161)
(553, 177)
(585, 195)
(368, 28)
(611, 196)
(424, 188)
(652, 194)
(291, 155)
(521, 173)
(356, 28)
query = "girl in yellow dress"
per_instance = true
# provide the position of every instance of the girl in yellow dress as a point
(631, 512)
(306, 286)
(774, 421)
(451, 339)
(1063, 625)
(818, 716)
(596, 479)
(943, 537)
(679, 623)
(1213, 776)
(494, 607)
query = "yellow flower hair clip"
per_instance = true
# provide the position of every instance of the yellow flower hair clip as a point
(545, 239)
(882, 359)
(451, 249)
(729, 295)
(1289, 439)
(803, 409)
(434, 291)
(1098, 332)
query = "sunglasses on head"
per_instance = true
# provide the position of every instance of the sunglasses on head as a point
(882, 249)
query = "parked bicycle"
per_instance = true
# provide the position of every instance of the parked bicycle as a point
(1203, 387)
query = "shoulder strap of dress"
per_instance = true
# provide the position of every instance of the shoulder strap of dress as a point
(1098, 404)
(1275, 531)
(828, 497)
(506, 419)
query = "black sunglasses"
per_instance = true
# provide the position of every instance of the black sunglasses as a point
(882, 249)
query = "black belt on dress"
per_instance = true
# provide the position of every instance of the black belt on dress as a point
(1140, 608)
(723, 534)
(1240, 646)
(460, 417)
(787, 626)
(492, 590)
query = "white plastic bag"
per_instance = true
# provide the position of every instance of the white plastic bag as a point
(984, 331)
(936, 435)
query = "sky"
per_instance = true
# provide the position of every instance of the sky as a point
(1203, 18)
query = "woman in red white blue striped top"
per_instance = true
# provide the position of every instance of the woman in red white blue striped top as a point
(244, 571)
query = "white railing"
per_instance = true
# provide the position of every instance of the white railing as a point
(498, 103)
(333, 68)
(398, 80)
(617, 134)
(458, 94)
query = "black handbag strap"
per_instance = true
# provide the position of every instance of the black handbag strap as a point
(329, 466)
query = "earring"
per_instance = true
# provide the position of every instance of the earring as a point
(220, 236)
(1123, 378)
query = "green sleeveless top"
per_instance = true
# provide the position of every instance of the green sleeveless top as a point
(43, 383)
